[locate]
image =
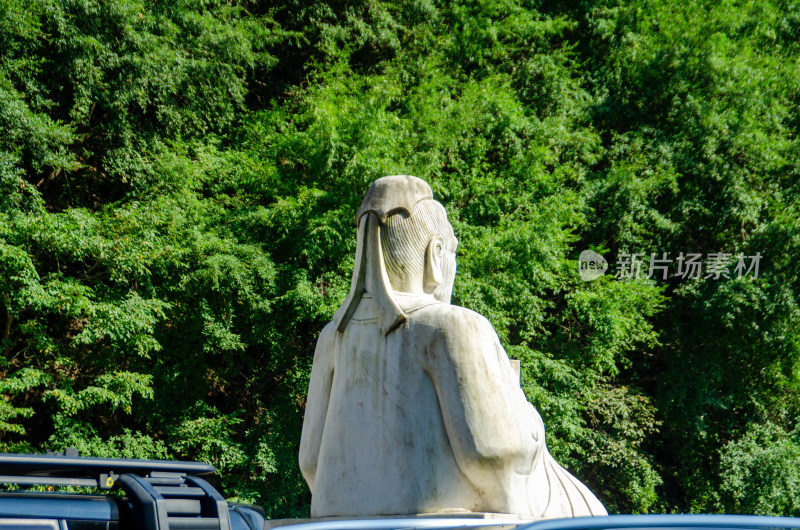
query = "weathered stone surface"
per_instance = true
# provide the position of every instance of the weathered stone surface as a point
(413, 405)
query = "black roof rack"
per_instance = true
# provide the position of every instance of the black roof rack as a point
(164, 494)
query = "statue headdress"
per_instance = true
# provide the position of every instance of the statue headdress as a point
(386, 196)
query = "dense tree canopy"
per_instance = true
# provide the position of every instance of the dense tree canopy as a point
(178, 184)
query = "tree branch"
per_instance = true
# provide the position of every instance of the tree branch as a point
(47, 180)
(7, 330)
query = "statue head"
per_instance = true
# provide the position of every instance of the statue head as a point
(405, 245)
(419, 250)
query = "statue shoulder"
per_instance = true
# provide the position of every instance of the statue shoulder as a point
(328, 331)
(456, 323)
(325, 339)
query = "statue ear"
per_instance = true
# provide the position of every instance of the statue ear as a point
(434, 259)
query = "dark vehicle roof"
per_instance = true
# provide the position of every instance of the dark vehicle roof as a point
(59, 505)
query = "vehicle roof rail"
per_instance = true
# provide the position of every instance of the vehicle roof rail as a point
(62, 470)
(164, 494)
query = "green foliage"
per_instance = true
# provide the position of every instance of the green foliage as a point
(760, 472)
(86, 440)
(178, 184)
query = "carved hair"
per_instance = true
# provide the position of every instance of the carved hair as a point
(404, 238)
(396, 221)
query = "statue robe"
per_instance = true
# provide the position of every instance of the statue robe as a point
(429, 418)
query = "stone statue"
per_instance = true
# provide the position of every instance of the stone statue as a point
(413, 406)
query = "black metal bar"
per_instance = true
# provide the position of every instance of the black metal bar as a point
(182, 491)
(150, 510)
(28, 480)
(17, 464)
(193, 523)
(213, 500)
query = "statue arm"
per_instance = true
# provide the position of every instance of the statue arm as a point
(494, 433)
(319, 391)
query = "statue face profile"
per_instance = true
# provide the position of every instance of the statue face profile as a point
(443, 291)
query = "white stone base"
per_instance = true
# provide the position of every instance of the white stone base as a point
(274, 523)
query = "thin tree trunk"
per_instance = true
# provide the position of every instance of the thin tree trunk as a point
(7, 330)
